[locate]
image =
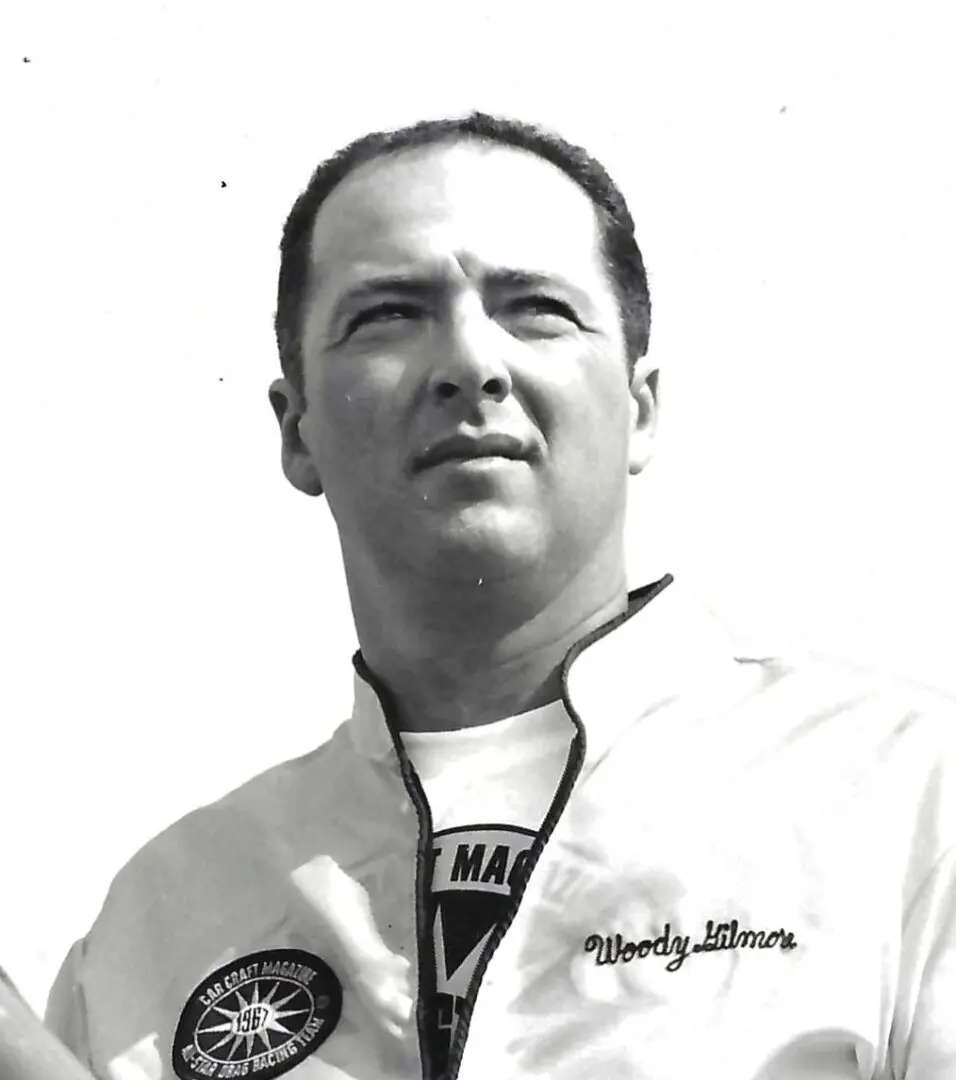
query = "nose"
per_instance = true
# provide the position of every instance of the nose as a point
(471, 364)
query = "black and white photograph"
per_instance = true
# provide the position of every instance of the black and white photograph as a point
(477, 569)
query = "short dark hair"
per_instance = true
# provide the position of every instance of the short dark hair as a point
(623, 256)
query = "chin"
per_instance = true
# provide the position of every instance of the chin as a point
(485, 543)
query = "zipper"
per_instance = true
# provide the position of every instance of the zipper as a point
(571, 770)
(424, 906)
(427, 980)
(636, 600)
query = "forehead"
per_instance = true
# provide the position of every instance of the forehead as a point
(494, 206)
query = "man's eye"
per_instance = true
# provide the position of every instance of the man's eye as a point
(542, 305)
(383, 313)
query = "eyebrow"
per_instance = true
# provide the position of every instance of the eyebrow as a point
(424, 285)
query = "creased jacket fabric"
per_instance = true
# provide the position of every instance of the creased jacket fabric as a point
(748, 872)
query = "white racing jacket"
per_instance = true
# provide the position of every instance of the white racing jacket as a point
(748, 872)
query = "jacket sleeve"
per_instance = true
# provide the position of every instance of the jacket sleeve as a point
(66, 1006)
(923, 1038)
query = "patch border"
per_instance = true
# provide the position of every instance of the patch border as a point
(327, 986)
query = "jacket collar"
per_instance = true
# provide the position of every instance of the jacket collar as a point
(666, 645)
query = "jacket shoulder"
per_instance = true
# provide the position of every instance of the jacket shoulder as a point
(215, 858)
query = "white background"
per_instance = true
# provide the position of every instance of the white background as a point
(174, 617)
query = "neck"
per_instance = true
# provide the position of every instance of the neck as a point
(461, 654)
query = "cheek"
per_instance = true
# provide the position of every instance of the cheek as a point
(356, 407)
(588, 418)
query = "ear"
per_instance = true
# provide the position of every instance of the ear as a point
(297, 462)
(644, 408)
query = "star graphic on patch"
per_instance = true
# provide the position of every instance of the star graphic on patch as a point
(254, 1019)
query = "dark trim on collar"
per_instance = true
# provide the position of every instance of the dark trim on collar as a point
(636, 599)
(424, 903)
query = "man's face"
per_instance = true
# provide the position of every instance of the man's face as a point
(467, 407)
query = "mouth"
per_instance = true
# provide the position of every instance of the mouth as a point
(466, 448)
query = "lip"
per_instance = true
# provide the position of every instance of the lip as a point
(469, 448)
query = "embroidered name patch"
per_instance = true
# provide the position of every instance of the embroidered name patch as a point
(718, 937)
(259, 1016)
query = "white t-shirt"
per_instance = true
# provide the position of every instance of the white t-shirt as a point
(489, 789)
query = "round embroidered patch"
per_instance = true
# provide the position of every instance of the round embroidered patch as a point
(259, 1015)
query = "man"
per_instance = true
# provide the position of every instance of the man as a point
(568, 831)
